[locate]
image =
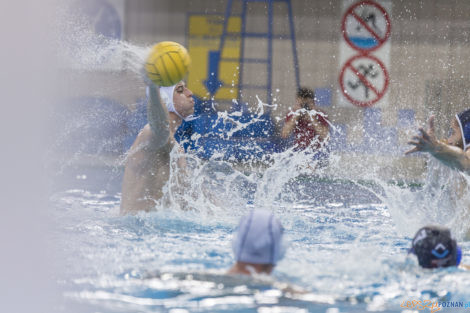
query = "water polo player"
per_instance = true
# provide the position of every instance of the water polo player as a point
(147, 165)
(434, 247)
(452, 151)
(258, 244)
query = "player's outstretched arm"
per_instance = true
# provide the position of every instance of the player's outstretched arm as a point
(451, 156)
(157, 116)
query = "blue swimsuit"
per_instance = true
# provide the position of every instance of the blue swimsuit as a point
(184, 136)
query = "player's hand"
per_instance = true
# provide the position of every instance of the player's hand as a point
(426, 141)
(145, 78)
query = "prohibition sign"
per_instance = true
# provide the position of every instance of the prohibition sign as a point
(366, 26)
(364, 80)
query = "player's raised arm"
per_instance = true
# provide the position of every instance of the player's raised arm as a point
(453, 151)
(147, 163)
(157, 116)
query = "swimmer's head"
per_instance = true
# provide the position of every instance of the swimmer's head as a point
(306, 98)
(434, 247)
(461, 130)
(259, 239)
(178, 99)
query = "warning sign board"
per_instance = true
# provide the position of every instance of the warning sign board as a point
(366, 26)
(364, 80)
(365, 31)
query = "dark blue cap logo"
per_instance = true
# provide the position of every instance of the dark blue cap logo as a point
(440, 255)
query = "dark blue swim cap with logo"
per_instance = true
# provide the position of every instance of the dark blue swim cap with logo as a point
(434, 247)
(464, 122)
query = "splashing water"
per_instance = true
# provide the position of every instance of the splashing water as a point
(81, 47)
(443, 200)
(348, 233)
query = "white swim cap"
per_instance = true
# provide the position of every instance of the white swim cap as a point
(166, 93)
(259, 239)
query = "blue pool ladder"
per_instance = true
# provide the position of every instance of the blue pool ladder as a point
(215, 56)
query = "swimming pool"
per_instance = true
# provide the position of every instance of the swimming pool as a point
(347, 250)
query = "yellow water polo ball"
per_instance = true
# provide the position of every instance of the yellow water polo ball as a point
(167, 63)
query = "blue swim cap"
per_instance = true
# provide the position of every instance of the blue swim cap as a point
(464, 122)
(259, 239)
(434, 247)
(459, 255)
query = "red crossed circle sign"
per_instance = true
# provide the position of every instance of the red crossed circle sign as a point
(364, 80)
(366, 26)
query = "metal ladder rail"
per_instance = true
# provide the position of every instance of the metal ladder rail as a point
(269, 36)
